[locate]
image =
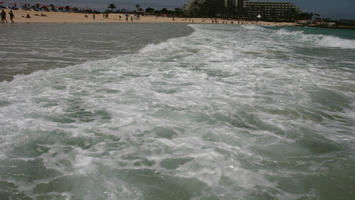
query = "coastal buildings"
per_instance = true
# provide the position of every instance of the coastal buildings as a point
(266, 9)
(239, 4)
(272, 10)
(230, 3)
(277, 10)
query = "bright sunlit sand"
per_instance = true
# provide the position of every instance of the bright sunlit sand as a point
(68, 17)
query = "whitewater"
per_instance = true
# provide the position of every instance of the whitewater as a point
(224, 112)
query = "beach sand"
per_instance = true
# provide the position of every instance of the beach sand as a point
(68, 17)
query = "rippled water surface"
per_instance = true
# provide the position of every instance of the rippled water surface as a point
(226, 112)
(25, 48)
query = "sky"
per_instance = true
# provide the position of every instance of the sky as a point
(337, 9)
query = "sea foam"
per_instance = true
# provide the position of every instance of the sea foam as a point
(214, 115)
(317, 39)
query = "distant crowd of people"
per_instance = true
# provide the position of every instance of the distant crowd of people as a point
(120, 17)
(3, 16)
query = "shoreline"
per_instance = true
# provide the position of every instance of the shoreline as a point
(69, 17)
(332, 27)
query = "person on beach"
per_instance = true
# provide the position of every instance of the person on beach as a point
(93, 16)
(28, 16)
(12, 16)
(3, 16)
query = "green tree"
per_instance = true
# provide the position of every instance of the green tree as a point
(111, 6)
(149, 10)
(205, 8)
(164, 11)
(305, 16)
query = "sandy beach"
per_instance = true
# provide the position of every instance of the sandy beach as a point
(68, 17)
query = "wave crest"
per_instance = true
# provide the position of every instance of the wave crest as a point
(317, 39)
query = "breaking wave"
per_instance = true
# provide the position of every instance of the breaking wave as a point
(317, 39)
(214, 115)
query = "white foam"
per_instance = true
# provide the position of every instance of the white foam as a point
(253, 27)
(331, 41)
(211, 86)
(317, 39)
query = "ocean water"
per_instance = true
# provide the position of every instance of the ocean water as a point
(216, 112)
(25, 48)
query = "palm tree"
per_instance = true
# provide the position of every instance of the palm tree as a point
(111, 6)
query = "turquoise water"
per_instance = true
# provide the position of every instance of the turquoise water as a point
(224, 112)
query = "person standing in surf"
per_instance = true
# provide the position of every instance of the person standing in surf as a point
(3, 16)
(12, 16)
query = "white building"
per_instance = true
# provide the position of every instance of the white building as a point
(239, 4)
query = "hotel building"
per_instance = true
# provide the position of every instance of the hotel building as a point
(267, 10)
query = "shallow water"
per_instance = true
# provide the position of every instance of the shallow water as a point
(25, 48)
(227, 112)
